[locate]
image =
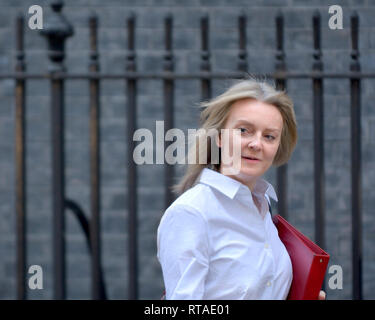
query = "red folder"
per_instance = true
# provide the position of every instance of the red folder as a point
(308, 260)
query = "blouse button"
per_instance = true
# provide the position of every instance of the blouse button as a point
(266, 245)
(268, 283)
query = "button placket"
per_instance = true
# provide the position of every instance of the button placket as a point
(270, 253)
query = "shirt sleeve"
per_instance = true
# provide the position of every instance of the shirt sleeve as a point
(183, 253)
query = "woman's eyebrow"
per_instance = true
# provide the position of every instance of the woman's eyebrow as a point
(251, 124)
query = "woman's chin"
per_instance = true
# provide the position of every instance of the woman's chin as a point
(250, 172)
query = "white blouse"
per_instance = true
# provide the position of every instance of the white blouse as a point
(213, 243)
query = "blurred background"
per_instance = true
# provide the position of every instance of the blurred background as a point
(71, 199)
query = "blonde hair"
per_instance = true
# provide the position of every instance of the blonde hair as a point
(215, 114)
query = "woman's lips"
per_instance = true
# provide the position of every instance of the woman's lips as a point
(251, 160)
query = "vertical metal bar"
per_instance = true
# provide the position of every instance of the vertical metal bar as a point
(95, 164)
(20, 155)
(132, 168)
(168, 106)
(242, 54)
(58, 176)
(319, 180)
(318, 105)
(56, 29)
(356, 174)
(282, 171)
(205, 58)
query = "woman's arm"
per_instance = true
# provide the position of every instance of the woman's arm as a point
(183, 253)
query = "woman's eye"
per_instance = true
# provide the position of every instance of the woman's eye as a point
(243, 130)
(269, 137)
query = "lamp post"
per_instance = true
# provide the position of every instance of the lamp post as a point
(56, 29)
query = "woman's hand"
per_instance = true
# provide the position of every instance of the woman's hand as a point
(322, 295)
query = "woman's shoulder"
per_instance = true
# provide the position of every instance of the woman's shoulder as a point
(194, 200)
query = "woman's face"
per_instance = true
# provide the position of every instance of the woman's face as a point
(255, 128)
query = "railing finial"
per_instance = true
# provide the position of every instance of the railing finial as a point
(57, 5)
(56, 29)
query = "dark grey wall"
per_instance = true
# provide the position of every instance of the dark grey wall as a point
(149, 44)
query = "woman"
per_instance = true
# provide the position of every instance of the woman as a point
(217, 239)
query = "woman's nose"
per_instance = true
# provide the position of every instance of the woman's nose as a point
(254, 143)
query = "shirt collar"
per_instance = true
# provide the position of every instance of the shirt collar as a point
(230, 187)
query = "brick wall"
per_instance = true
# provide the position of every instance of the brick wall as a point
(150, 48)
